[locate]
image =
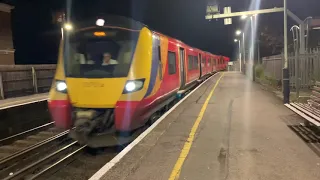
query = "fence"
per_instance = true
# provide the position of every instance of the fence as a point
(304, 69)
(21, 80)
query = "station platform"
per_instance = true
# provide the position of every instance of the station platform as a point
(228, 128)
(24, 100)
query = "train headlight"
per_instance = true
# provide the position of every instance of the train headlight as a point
(133, 85)
(61, 86)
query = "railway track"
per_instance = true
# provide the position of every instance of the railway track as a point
(19, 158)
(56, 159)
(21, 161)
(26, 140)
(24, 134)
(44, 153)
(40, 164)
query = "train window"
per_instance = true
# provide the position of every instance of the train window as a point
(100, 57)
(172, 62)
(190, 62)
(195, 62)
(203, 62)
(160, 64)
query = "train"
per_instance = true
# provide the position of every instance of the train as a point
(116, 75)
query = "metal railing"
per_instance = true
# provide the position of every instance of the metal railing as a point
(304, 69)
(22, 80)
(6, 51)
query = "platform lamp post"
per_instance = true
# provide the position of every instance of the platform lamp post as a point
(252, 40)
(236, 40)
(244, 17)
(238, 33)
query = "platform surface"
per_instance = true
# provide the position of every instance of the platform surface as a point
(245, 134)
(20, 101)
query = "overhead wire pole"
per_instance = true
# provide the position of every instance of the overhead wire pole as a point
(244, 48)
(285, 71)
(252, 47)
(240, 58)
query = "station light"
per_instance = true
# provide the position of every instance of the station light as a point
(238, 32)
(68, 26)
(244, 17)
(235, 40)
(100, 22)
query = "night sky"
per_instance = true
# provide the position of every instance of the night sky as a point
(36, 37)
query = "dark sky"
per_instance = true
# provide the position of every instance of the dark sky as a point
(36, 37)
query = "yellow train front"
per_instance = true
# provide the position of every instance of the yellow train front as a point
(102, 76)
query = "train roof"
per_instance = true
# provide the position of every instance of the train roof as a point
(130, 23)
(114, 20)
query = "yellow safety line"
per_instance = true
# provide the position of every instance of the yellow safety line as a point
(186, 148)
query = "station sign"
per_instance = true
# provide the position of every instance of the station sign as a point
(227, 10)
(212, 7)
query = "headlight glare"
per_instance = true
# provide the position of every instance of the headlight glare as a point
(130, 86)
(61, 86)
(133, 85)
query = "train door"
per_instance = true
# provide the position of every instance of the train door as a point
(200, 62)
(182, 68)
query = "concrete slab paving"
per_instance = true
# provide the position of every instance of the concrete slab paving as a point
(244, 134)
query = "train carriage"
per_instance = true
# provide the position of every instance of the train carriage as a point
(114, 78)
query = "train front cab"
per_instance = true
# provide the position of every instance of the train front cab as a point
(87, 90)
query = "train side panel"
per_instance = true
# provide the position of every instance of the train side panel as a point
(164, 86)
(193, 67)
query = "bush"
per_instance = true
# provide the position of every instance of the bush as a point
(259, 71)
(273, 81)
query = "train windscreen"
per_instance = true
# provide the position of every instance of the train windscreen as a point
(103, 53)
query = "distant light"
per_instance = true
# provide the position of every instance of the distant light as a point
(238, 32)
(100, 22)
(68, 26)
(235, 40)
(317, 28)
(244, 17)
